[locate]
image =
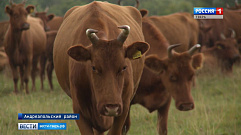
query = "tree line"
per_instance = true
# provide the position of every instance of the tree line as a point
(155, 7)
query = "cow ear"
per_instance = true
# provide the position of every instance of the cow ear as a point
(50, 17)
(79, 53)
(143, 12)
(8, 10)
(30, 9)
(155, 64)
(197, 61)
(136, 50)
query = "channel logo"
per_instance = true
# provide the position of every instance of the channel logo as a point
(27, 126)
(42, 126)
(208, 13)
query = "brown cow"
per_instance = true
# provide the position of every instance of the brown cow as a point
(222, 55)
(51, 22)
(210, 30)
(55, 23)
(3, 29)
(101, 71)
(46, 57)
(172, 77)
(182, 26)
(49, 54)
(24, 44)
(45, 18)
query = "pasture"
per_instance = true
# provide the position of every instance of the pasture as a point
(217, 108)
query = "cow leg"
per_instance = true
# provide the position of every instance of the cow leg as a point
(21, 77)
(119, 122)
(84, 127)
(42, 69)
(162, 118)
(15, 77)
(27, 70)
(33, 72)
(50, 68)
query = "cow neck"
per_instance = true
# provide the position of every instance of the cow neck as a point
(15, 37)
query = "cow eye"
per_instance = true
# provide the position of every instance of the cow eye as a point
(124, 68)
(93, 68)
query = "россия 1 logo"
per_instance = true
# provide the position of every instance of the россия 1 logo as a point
(208, 13)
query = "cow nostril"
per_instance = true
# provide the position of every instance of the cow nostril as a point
(186, 106)
(112, 109)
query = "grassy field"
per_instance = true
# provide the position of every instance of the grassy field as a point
(217, 109)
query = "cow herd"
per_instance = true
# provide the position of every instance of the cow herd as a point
(108, 57)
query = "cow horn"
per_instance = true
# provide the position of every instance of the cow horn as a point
(169, 50)
(46, 9)
(227, 6)
(233, 33)
(92, 36)
(194, 48)
(124, 34)
(24, 1)
(137, 4)
(222, 36)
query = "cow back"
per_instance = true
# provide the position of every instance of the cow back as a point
(55, 23)
(182, 26)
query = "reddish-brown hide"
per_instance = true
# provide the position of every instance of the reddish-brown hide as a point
(165, 77)
(222, 55)
(24, 44)
(101, 71)
(182, 26)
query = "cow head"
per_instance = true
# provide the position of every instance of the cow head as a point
(45, 18)
(177, 73)
(109, 68)
(18, 15)
(226, 50)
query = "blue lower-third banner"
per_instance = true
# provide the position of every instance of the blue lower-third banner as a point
(42, 126)
(48, 116)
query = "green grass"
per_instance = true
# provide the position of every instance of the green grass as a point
(217, 109)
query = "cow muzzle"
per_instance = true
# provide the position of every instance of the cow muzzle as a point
(25, 26)
(111, 110)
(185, 106)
